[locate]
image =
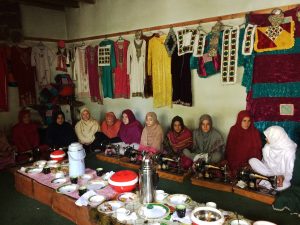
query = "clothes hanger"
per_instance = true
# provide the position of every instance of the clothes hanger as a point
(200, 29)
(120, 39)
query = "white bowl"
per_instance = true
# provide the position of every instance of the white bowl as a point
(202, 215)
(96, 200)
(239, 222)
(261, 222)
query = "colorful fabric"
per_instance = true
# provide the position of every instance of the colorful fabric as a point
(122, 86)
(274, 37)
(171, 42)
(242, 144)
(111, 130)
(159, 66)
(199, 44)
(229, 59)
(104, 55)
(107, 79)
(180, 141)
(248, 41)
(131, 132)
(152, 136)
(276, 90)
(185, 40)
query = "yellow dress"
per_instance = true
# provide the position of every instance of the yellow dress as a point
(159, 67)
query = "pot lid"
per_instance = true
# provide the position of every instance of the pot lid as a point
(124, 176)
(57, 153)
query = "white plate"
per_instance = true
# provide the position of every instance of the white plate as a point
(33, 170)
(60, 180)
(86, 176)
(239, 222)
(67, 188)
(51, 162)
(40, 163)
(110, 206)
(263, 223)
(96, 184)
(153, 211)
(95, 200)
(127, 197)
(178, 199)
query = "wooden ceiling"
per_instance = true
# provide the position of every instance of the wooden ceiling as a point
(55, 4)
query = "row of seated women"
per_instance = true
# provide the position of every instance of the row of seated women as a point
(243, 147)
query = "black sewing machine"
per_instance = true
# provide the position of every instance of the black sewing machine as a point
(250, 178)
(169, 164)
(209, 171)
(112, 150)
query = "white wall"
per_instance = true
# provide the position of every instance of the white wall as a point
(209, 96)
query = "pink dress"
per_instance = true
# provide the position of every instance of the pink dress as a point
(122, 85)
(92, 67)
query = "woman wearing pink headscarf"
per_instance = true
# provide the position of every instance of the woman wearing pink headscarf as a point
(131, 129)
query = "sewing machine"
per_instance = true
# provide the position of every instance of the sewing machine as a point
(169, 164)
(208, 171)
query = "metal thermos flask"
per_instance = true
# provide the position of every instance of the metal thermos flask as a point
(147, 181)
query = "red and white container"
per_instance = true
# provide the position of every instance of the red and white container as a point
(123, 181)
(58, 155)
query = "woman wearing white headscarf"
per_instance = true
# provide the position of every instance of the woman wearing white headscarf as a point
(278, 158)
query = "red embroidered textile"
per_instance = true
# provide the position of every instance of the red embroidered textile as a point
(276, 68)
(182, 140)
(122, 86)
(3, 79)
(242, 144)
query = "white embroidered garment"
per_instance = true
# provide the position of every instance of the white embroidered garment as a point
(278, 156)
(248, 40)
(229, 56)
(199, 44)
(104, 55)
(136, 67)
(186, 40)
(80, 73)
(41, 58)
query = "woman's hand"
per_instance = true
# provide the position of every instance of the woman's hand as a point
(280, 180)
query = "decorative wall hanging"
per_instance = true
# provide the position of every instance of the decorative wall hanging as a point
(286, 109)
(199, 45)
(171, 41)
(214, 41)
(104, 56)
(248, 41)
(186, 40)
(229, 57)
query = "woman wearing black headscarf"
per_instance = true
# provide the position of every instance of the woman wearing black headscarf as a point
(60, 134)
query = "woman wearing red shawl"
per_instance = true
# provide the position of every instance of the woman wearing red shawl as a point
(110, 127)
(131, 129)
(25, 136)
(243, 143)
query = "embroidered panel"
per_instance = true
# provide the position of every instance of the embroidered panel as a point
(104, 56)
(248, 41)
(199, 45)
(171, 42)
(186, 40)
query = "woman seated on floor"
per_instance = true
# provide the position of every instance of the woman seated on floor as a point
(110, 127)
(26, 138)
(152, 135)
(131, 129)
(243, 143)
(208, 143)
(278, 158)
(60, 134)
(88, 131)
(178, 139)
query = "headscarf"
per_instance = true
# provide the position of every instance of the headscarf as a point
(60, 135)
(181, 140)
(210, 142)
(131, 132)
(152, 136)
(111, 131)
(86, 130)
(280, 147)
(25, 136)
(242, 144)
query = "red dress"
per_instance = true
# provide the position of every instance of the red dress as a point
(122, 85)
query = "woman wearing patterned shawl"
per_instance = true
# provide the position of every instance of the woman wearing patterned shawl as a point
(243, 143)
(131, 129)
(110, 127)
(152, 135)
(208, 143)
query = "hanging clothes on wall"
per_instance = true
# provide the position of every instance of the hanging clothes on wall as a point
(159, 66)
(80, 73)
(62, 59)
(24, 75)
(136, 67)
(3, 79)
(122, 86)
(41, 59)
(181, 79)
(91, 54)
(107, 53)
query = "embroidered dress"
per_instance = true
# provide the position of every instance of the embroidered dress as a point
(122, 88)
(181, 79)
(159, 66)
(136, 67)
(186, 40)
(110, 64)
(62, 60)
(24, 75)
(80, 72)
(91, 54)
(41, 59)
